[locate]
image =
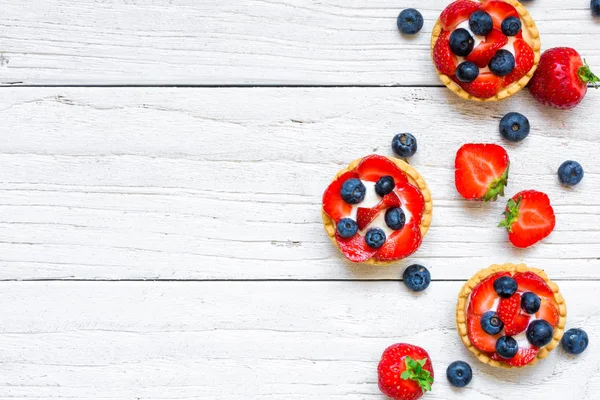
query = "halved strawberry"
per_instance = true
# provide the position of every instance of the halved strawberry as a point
(548, 312)
(457, 12)
(529, 218)
(333, 204)
(481, 171)
(531, 282)
(401, 243)
(524, 356)
(443, 57)
(486, 85)
(478, 337)
(524, 60)
(485, 51)
(499, 10)
(355, 248)
(373, 167)
(483, 295)
(509, 311)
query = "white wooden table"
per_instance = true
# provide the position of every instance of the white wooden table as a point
(162, 164)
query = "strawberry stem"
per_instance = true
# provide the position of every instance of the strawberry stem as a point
(586, 75)
(496, 188)
(511, 214)
(415, 371)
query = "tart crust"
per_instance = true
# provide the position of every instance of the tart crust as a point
(534, 42)
(463, 299)
(413, 177)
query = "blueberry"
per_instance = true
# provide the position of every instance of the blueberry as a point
(410, 21)
(511, 26)
(575, 341)
(461, 42)
(347, 227)
(416, 277)
(570, 173)
(353, 191)
(514, 127)
(530, 302)
(481, 23)
(375, 238)
(491, 323)
(502, 63)
(505, 286)
(404, 145)
(539, 333)
(459, 374)
(395, 218)
(595, 5)
(507, 347)
(467, 72)
(384, 185)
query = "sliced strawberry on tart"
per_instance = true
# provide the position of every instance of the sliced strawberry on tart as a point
(510, 315)
(485, 51)
(377, 210)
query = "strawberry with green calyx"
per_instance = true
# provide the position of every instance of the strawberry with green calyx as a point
(481, 171)
(405, 372)
(529, 218)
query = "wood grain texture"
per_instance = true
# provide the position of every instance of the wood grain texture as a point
(212, 42)
(227, 183)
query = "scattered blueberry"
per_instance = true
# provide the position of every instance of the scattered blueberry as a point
(384, 185)
(395, 218)
(461, 42)
(459, 374)
(502, 63)
(353, 191)
(539, 333)
(505, 286)
(481, 23)
(467, 72)
(491, 323)
(347, 227)
(511, 26)
(375, 238)
(507, 347)
(416, 277)
(514, 127)
(570, 173)
(530, 302)
(404, 145)
(595, 5)
(410, 21)
(575, 341)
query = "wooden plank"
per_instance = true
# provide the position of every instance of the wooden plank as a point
(226, 183)
(254, 340)
(240, 42)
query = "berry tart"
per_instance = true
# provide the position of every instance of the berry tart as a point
(485, 51)
(377, 210)
(510, 315)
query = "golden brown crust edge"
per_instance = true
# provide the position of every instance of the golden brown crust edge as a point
(463, 298)
(413, 177)
(512, 88)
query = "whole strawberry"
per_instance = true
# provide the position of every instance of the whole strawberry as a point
(405, 372)
(562, 78)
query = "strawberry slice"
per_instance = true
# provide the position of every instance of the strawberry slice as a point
(364, 216)
(483, 295)
(524, 356)
(412, 200)
(478, 337)
(485, 51)
(333, 204)
(531, 282)
(548, 312)
(529, 218)
(443, 57)
(373, 167)
(481, 171)
(401, 243)
(509, 311)
(457, 12)
(499, 10)
(524, 60)
(486, 85)
(355, 248)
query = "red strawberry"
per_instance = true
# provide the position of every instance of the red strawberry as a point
(531, 282)
(478, 337)
(401, 243)
(483, 295)
(561, 78)
(373, 167)
(355, 248)
(524, 356)
(443, 57)
(457, 12)
(333, 204)
(548, 312)
(481, 171)
(364, 216)
(499, 10)
(509, 311)
(524, 60)
(529, 218)
(486, 85)
(485, 51)
(405, 372)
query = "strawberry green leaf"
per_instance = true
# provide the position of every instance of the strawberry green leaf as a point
(414, 371)
(586, 75)
(511, 214)
(496, 188)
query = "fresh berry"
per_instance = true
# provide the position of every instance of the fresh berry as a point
(491, 323)
(514, 127)
(595, 6)
(467, 72)
(539, 333)
(548, 312)
(459, 374)
(481, 171)
(480, 338)
(529, 218)
(443, 57)
(509, 311)
(410, 21)
(481, 23)
(347, 227)
(530, 302)
(461, 42)
(511, 26)
(457, 12)
(416, 277)
(524, 60)
(375, 238)
(575, 341)
(355, 248)
(507, 347)
(499, 10)
(333, 204)
(485, 51)
(524, 356)
(395, 218)
(486, 85)
(502, 63)
(384, 185)
(353, 191)
(404, 145)
(562, 78)
(570, 173)
(364, 216)
(483, 295)
(405, 372)
(505, 286)
(373, 167)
